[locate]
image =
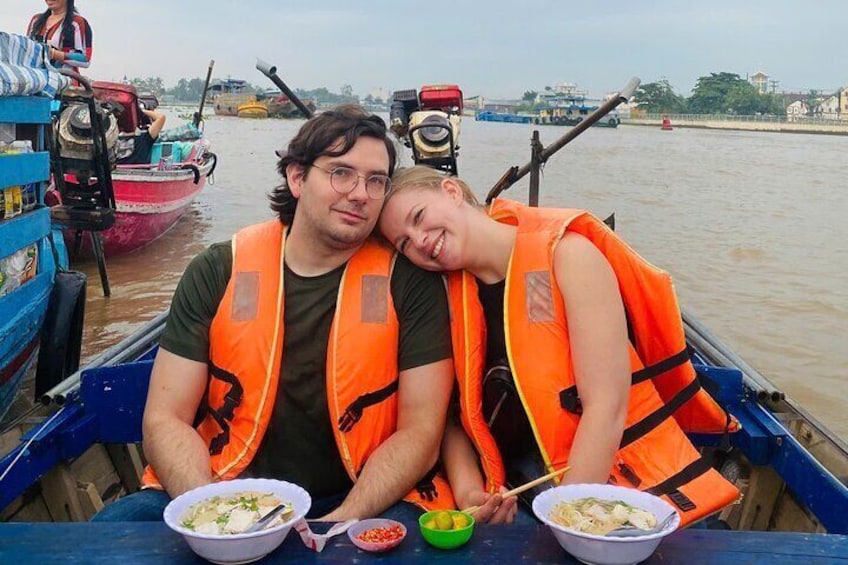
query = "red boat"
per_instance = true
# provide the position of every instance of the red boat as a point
(150, 201)
(129, 206)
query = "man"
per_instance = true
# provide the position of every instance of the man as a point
(136, 149)
(354, 408)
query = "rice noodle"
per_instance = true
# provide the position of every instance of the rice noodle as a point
(595, 516)
(233, 514)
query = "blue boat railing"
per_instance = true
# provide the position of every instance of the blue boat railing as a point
(108, 405)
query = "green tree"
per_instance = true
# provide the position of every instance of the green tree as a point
(530, 95)
(710, 95)
(659, 98)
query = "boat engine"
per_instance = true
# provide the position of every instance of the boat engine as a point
(428, 123)
(76, 143)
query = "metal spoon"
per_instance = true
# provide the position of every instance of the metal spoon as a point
(267, 519)
(632, 531)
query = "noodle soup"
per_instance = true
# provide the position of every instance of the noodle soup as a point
(233, 513)
(596, 516)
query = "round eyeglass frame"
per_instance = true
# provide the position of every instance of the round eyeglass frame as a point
(332, 174)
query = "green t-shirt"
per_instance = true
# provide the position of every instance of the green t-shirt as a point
(299, 445)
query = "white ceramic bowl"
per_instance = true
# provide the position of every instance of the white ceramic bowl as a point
(605, 550)
(237, 548)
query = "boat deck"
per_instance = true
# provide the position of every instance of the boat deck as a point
(154, 542)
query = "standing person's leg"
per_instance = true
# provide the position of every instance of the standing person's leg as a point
(142, 506)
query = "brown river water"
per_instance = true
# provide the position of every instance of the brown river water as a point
(751, 225)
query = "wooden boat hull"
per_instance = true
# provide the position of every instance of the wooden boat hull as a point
(227, 104)
(149, 203)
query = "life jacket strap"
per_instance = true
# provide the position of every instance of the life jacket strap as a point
(670, 486)
(224, 415)
(663, 366)
(658, 416)
(570, 401)
(353, 413)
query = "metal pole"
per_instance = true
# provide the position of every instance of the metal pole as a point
(535, 168)
(509, 179)
(198, 116)
(270, 71)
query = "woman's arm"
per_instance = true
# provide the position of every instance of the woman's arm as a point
(460, 460)
(597, 331)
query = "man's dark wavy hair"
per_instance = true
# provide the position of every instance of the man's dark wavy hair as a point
(348, 123)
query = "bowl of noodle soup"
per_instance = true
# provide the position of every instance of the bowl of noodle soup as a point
(579, 515)
(212, 518)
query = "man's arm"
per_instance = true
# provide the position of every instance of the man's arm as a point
(399, 463)
(157, 122)
(171, 445)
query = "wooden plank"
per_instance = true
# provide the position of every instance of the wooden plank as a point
(764, 489)
(60, 493)
(89, 499)
(153, 542)
(25, 110)
(127, 461)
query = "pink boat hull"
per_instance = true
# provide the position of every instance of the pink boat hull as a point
(149, 203)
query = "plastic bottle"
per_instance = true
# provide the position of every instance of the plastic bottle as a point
(29, 197)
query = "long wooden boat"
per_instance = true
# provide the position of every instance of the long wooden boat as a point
(150, 199)
(791, 469)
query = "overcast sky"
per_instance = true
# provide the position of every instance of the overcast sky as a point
(495, 48)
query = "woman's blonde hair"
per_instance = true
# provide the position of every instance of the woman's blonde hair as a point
(423, 177)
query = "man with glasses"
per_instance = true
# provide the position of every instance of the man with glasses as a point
(305, 349)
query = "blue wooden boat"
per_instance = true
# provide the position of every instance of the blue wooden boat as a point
(489, 116)
(26, 236)
(791, 469)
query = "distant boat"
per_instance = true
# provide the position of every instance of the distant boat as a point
(252, 109)
(228, 94)
(570, 110)
(489, 116)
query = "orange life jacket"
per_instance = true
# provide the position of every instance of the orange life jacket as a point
(246, 353)
(665, 397)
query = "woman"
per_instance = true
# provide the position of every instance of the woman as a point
(66, 33)
(583, 345)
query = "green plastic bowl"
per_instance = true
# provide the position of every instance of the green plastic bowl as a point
(446, 539)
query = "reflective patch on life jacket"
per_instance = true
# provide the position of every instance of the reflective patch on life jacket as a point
(375, 307)
(224, 414)
(245, 296)
(353, 413)
(540, 297)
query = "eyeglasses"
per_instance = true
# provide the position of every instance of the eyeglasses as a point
(344, 180)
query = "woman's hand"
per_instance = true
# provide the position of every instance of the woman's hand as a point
(492, 508)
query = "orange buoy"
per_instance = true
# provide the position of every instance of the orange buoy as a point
(666, 124)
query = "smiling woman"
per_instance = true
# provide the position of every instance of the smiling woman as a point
(65, 31)
(545, 290)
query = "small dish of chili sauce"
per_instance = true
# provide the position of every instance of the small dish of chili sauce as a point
(377, 534)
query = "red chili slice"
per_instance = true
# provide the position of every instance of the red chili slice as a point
(381, 535)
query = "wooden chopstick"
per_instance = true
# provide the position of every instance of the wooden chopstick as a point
(526, 486)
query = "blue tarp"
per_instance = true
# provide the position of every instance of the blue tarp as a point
(24, 69)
